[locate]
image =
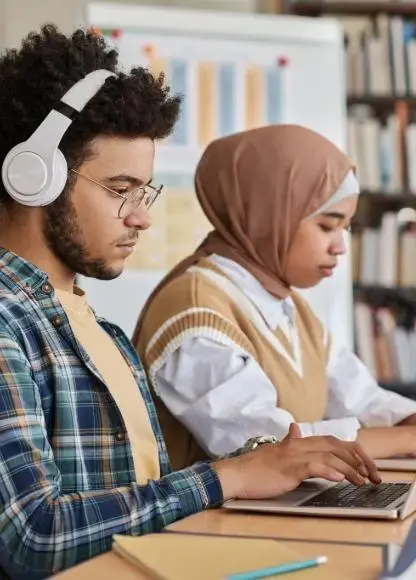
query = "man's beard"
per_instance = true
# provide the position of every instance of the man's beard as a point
(64, 237)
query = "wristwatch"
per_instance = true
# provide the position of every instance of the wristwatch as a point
(255, 442)
(250, 445)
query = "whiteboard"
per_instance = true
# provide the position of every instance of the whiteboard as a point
(310, 91)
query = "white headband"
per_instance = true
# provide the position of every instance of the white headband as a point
(348, 187)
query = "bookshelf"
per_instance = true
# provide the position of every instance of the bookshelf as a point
(406, 389)
(383, 295)
(373, 204)
(382, 104)
(396, 200)
(380, 44)
(357, 8)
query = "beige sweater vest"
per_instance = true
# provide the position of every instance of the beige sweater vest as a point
(194, 305)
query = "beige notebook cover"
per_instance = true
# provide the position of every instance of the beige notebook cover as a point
(171, 556)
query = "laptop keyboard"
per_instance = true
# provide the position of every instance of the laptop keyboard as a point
(347, 495)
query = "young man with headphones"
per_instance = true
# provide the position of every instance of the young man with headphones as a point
(82, 456)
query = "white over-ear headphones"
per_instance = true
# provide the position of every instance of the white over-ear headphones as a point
(35, 172)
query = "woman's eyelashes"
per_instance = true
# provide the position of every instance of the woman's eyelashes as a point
(325, 228)
(328, 229)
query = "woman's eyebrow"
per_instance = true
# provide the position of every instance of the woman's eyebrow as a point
(335, 215)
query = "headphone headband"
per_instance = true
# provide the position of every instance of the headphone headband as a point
(84, 90)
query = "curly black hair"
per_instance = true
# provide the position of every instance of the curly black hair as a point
(34, 78)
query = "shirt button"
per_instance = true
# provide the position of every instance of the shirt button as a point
(57, 321)
(120, 436)
(47, 288)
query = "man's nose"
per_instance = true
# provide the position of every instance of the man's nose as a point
(139, 218)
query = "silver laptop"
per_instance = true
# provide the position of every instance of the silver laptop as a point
(396, 464)
(316, 497)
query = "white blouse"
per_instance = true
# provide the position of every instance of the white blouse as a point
(221, 394)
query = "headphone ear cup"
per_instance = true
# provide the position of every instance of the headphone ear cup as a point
(23, 173)
(58, 181)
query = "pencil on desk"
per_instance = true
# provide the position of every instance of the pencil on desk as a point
(281, 569)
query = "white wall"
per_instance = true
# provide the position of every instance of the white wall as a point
(18, 17)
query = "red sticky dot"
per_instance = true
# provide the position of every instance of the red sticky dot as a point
(115, 33)
(282, 61)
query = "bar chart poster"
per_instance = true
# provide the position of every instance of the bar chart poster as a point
(221, 94)
(178, 226)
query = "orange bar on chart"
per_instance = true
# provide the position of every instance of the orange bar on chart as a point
(157, 66)
(206, 103)
(254, 80)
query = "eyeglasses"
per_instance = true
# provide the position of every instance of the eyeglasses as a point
(131, 199)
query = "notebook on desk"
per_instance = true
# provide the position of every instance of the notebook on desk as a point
(177, 556)
(316, 497)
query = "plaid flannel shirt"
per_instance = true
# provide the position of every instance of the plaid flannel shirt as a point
(66, 468)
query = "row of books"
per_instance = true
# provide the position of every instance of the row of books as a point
(381, 57)
(387, 349)
(383, 150)
(386, 255)
(354, 2)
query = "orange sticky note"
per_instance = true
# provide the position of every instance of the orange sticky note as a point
(96, 31)
(149, 50)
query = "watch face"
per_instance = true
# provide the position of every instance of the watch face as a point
(264, 439)
(254, 442)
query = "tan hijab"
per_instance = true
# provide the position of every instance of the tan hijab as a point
(255, 188)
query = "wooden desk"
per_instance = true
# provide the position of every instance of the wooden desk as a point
(355, 562)
(298, 527)
(106, 566)
(352, 545)
(224, 522)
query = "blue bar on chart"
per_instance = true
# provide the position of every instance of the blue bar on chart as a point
(226, 92)
(274, 95)
(178, 83)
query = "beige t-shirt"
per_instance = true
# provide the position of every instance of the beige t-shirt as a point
(119, 380)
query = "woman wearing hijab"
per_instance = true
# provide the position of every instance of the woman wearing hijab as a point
(232, 351)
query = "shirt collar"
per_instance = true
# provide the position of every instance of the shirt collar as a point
(269, 307)
(15, 271)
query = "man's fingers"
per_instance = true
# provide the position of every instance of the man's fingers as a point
(370, 466)
(294, 431)
(351, 453)
(343, 450)
(324, 471)
(335, 464)
(358, 459)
